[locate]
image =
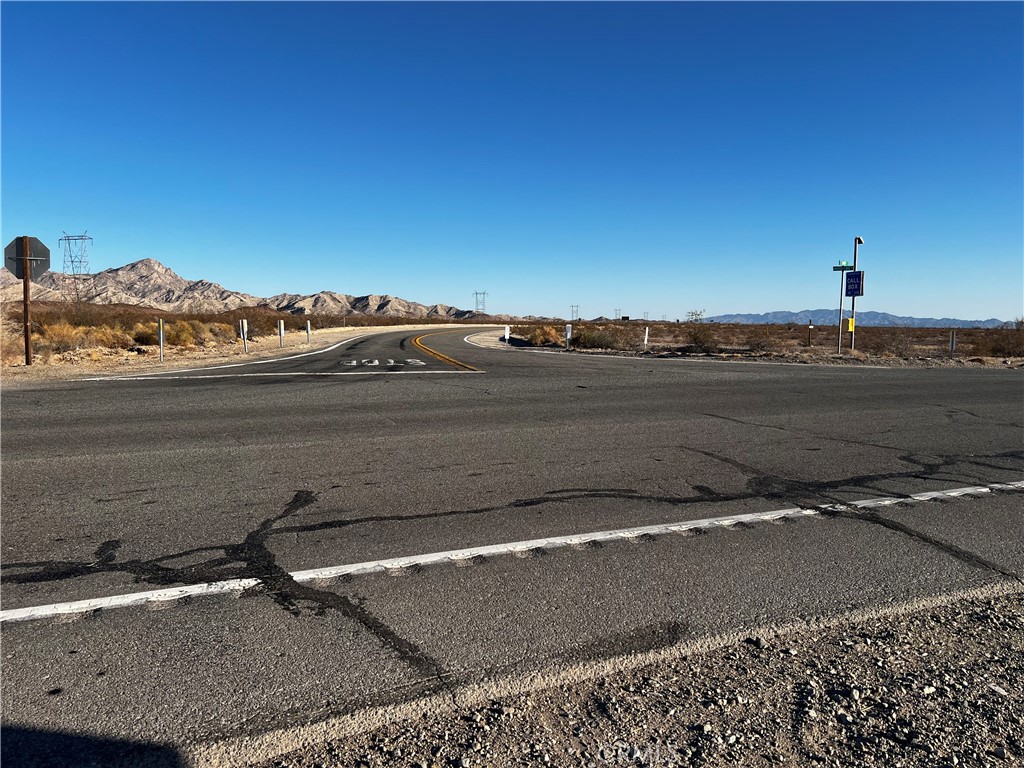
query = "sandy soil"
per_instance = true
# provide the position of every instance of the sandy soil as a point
(937, 684)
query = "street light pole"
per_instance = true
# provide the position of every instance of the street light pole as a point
(853, 301)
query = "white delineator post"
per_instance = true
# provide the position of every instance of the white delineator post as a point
(280, 332)
(160, 336)
(245, 335)
(508, 332)
(308, 332)
(647, 332)
(568, 334)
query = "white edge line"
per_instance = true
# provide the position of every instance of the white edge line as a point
(170, 377)
(455, 555)
(228, 365)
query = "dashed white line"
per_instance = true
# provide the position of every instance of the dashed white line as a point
(456, 556)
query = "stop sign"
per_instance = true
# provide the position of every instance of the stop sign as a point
(38, 258)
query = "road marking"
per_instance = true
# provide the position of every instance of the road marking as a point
(286, 375)
(457, 556)
(417, 342)
(140, 376)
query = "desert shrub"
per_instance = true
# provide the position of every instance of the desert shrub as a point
(179, 334)
(887, 342)
(12, 342)
(62, 336)
(539, 335)
(1007, 341)
(702, 337)
(760, 339)
(599, 338)
(145, 333)
(222, 332)
(105, 336)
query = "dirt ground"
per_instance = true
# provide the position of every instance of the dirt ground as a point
(938, 683)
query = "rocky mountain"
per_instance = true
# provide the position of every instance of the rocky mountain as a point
(148, 283)
(875, 319)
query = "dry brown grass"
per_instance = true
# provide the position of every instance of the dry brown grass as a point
(695, 337)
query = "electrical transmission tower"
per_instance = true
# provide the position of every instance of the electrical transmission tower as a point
(618, 314)
(76, 266)
(575, 310)
(481, 300)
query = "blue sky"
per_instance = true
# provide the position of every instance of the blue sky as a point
(655, 157)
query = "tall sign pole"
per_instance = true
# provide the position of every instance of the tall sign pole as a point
(853, 302)
(26, 257)
(27, 269)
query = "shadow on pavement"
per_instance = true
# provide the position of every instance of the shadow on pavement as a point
(33, 748)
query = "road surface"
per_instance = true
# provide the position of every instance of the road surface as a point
(230, 555)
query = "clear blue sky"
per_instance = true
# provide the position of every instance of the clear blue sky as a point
(653, 157)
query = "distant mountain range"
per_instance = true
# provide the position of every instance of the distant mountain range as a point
(148, 283)
(830, 316)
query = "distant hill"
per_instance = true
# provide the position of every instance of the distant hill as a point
(148, 283)
(830, 316)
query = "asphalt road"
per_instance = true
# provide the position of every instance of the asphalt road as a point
(397, 446)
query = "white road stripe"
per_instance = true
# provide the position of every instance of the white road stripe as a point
(57, 610)
(169, 377)
(226, 365)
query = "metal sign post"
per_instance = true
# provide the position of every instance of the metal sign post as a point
(842, 267)
(27, 258)
(860, 292)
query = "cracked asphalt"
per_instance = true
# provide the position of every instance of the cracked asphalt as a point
(113, 487)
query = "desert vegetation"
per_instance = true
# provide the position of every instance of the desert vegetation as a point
(696, 337)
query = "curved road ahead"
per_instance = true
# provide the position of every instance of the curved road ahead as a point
(207, 556)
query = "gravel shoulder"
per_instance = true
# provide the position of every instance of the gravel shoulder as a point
(933, 684)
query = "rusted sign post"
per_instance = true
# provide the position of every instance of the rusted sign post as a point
(27, 258)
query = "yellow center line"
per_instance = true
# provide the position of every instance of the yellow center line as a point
(417, 342)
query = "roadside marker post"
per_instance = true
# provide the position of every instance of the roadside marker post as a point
(647, 332)
(809, 329)
(308, 333)
(245, 335)
(568, 335)
(160, 336)
(508, 332)
(952, 342)
(280, 332)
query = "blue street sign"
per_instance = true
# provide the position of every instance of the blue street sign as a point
(855, 283)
